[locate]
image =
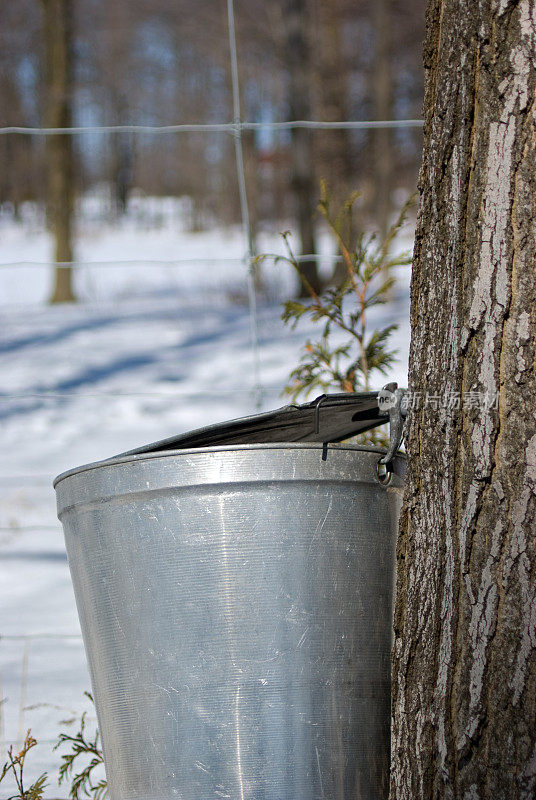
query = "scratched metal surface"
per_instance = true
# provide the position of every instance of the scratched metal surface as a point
(236, 611)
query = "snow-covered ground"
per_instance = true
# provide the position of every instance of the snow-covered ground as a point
(154, 349)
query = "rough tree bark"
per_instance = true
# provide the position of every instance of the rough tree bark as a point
(464, 665)
(58, 114)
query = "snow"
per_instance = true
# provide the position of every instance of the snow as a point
(153, 350)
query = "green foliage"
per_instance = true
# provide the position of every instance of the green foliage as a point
(15, 765)
(326, 363)
(79, 764)
(349, 366)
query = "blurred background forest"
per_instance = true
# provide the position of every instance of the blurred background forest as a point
(163, 63)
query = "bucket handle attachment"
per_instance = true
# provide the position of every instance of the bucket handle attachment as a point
(393, 404)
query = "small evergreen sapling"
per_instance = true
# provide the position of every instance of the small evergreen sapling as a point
(349, 365)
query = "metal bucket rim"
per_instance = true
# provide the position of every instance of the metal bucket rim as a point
(116, 460)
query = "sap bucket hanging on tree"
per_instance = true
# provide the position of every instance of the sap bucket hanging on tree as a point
(234, 587)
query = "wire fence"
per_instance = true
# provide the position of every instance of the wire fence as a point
(19, 717)
(26, 641)
(236, 127)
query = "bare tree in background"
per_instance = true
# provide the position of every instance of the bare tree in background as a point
(333, 99)
(15, 150)
(58, 114)
(383, 110)
(21, 157)
(298, 61)
(464, 657)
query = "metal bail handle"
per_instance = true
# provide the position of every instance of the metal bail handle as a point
(329, 418)
(392, 403)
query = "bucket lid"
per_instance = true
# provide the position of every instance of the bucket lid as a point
(328, 418)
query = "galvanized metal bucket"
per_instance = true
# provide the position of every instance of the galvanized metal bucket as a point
(235, 603)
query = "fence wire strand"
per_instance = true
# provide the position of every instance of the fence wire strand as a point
(23, 688)
(173, 262)
(217, 127)
(244, 208)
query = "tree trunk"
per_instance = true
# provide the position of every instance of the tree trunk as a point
(337, 159)
(464, 665)
(336, 156)
(303, 182)
(383, 109)
(122, 160)
(58, 49)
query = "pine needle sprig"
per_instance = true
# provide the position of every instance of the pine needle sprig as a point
(83, 782)
(15, 765)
